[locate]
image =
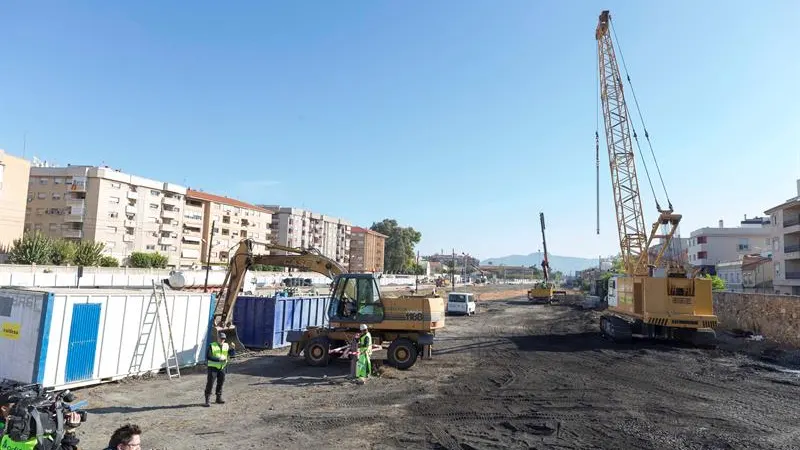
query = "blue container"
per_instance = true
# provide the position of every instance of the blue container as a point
(263, 322)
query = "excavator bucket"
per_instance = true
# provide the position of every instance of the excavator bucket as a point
(231, 337)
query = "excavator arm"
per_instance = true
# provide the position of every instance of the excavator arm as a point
(243, 259)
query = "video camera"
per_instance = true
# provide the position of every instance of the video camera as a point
(37, 413)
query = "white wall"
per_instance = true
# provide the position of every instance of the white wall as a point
(25, 317)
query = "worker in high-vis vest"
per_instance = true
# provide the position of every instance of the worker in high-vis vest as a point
(364, 364)
(217, 356)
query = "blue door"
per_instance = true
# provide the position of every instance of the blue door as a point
(82, 345)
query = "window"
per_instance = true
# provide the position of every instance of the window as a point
(41, 195)
(115, 185)
(153, 206)
(113, 214)
(744, 244)
(54, 227)
(151, 247)
(778, 270)
(39, 211)
(155, 193)
(702, 255)
(27, 211)
(56, 196)
(113, 200)
(226, 219)
(112, 230)
(58, 181)
(225, 232)
(30, 197)
(37, 227)
(702, 239)
(42, 180)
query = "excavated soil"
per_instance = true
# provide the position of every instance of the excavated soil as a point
(515, 375)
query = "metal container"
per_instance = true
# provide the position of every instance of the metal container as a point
(263, 322)
(65, 338)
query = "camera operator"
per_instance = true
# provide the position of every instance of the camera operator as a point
(28, 427)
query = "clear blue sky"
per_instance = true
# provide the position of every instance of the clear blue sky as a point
(461, 118)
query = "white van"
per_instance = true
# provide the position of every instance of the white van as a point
(461, 303)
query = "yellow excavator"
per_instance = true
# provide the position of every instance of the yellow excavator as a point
(651, 299)
(407, 323)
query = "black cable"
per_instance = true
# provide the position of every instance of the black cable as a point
(641, 117)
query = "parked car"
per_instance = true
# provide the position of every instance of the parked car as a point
(461, 303)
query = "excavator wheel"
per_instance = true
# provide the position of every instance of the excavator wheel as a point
(317, 352)
(402, 353)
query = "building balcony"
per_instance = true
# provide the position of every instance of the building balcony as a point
(169, 214)
(72, 234)
(167, 240)
(791, 251)
(170, 201)
(793, 275)
(128, 238)
(73, 218)
(77, 186)
(130, 209)
(129, 223)
(791, 221)
(193, 218)
(132, 195)
(171, 226)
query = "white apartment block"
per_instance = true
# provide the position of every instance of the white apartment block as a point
(125, 212)
(231, 221)
(294, 227)
(709, 246)
(785, 235)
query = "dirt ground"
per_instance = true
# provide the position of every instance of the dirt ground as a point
(516, 375)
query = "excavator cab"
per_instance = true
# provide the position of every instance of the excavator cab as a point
(356, 298)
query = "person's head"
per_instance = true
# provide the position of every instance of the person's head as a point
(363, 327)
(222, 337)
(5, 409)
(126, 437)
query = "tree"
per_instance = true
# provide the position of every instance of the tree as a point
(89, 253)
(63, 252)
(144, 260)
(32, 248)
(717, 283)
(400, 242)
(109, 261)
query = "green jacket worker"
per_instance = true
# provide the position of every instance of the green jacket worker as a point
(217, 356)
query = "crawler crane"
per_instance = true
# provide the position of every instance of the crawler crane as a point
(651, 299)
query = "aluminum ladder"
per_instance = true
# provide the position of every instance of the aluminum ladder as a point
(152, 315)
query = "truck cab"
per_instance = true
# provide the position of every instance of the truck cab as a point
(461, 303)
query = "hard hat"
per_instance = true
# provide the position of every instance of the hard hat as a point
(222, 336)
(363, 327)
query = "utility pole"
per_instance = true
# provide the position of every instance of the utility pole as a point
(208, 255)
(453, 273)
(416, 271)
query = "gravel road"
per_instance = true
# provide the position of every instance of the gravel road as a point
(515, 375)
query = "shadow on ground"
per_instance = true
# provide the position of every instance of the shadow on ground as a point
(588, 341)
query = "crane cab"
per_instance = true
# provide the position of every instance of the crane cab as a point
(356, 298)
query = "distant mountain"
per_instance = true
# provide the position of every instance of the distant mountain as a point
(565, 264)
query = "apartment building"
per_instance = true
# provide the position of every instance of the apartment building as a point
(750, 273)
(710, 246)
(14, 174)
(294, 227)
(785, 239)
(229, 220)
(125, 212)
(366, 250)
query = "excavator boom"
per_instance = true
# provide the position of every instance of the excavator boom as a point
(243, 259)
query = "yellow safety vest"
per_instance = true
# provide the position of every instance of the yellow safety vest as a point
(219, 352)
(365, 342)
(7, 444)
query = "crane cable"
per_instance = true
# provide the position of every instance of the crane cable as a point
(641, 118)
(597, 144)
